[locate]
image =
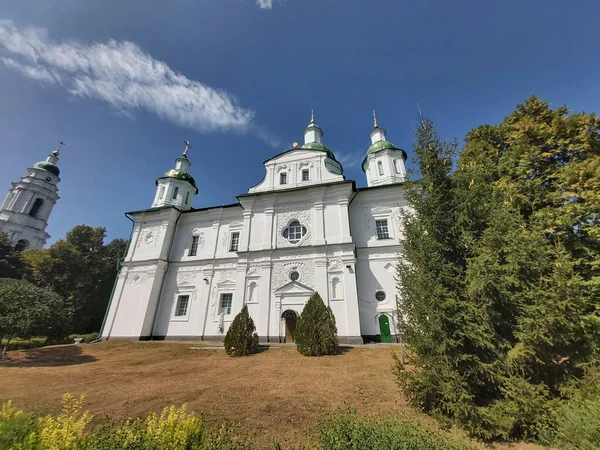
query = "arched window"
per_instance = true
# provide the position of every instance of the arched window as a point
(21, 245)
(35, 209)
(252, 292)
(175, 192)
(161, 192)
(336, 288)
(294, 232)
(380, 167)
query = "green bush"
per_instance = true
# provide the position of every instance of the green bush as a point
(86, 338)
(241, 338)
(316, 333)
(345, 431)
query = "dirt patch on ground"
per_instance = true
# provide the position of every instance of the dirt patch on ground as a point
(275, 394)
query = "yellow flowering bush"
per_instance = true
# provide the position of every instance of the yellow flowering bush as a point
(67, 429)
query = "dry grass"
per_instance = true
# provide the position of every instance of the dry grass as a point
(275, 394)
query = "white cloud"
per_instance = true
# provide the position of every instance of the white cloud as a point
(350, 159)
(266, 4)
(124, 76)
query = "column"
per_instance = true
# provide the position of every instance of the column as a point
(344, 221)
(351, 300)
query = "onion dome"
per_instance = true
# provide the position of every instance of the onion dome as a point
(50, 164)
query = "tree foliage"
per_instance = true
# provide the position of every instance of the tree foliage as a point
(500, 271)
(241, 338)
(11, 263)
(26, 310)
(81, 269)
(316, 332)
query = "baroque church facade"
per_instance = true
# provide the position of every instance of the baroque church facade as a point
(25, 212)
(303, 229)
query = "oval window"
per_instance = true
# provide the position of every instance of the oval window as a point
(294, 276)
(380, 296)
(294, 232)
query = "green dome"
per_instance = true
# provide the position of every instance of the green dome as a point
(380, 146)
(318, 147)
(48, 167)
(383, 145)
(180, 175)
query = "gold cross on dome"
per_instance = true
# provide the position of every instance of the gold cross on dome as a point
(187, 147)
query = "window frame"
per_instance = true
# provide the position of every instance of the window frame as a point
(381, 291)
(175, 193)
(193, 251)
(230, 308)
(283, 178)
(177, 305)
(299, 232)
(384, 234)
(234, 238)
(380, 168)
(187, 197)
(161, 192)
(305, 175)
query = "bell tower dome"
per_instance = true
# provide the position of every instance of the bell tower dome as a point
(25, 212)
(177, 186)
(384, 163)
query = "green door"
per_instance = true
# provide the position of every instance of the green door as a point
(384, 328)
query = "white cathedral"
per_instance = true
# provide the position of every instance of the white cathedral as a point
(303, 229)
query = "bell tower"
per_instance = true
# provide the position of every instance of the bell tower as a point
(25, 212)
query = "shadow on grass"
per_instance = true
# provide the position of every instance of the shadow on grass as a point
(54, 356)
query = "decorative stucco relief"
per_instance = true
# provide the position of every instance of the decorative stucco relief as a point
(281, 273)
(150, 236)
(334, 265)
(368, 222)
(136, 278)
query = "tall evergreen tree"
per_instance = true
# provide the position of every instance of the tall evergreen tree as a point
(500, 275)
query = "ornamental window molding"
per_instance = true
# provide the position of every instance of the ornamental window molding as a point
(285, 220)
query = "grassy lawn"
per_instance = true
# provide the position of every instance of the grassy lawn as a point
(275, 394)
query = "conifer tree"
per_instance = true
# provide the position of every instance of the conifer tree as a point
(316, 332)
(241, 338)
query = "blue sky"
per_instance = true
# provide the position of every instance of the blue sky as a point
(125, 83)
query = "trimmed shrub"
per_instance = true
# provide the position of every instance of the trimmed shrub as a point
(241, 338)
(316, 333)
(346, 431)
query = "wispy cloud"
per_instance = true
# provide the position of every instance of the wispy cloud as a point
(124, 76)
(266, 4)
(348, 160)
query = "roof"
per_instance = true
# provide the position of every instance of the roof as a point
(48, 167)
(380, 146)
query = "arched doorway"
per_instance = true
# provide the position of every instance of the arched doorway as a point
(21, 245)
(384, 329)
(290, 319)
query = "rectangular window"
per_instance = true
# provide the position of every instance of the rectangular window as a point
(382, 229)
(175, 192)
(161, 192)
(235, 242)
(283, 178)
(305, 176)
(187, 197)
(396, 166)
(380, 167)
(225, 305)
(182, 305)
(194, 246)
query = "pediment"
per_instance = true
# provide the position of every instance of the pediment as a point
(224, 283)
(293, 288)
